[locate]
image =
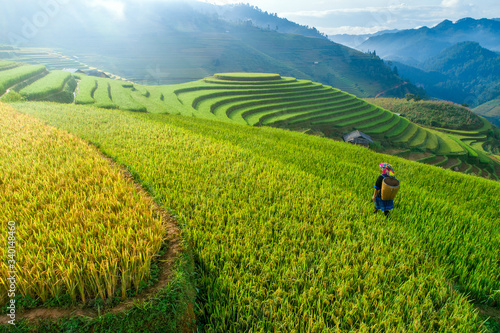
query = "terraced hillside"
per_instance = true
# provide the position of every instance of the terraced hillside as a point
(272, 100)
(477, 136)
(257, 100)
(490, 110)
(14, 76)
(50, 58)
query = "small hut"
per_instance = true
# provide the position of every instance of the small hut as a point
(358, 138)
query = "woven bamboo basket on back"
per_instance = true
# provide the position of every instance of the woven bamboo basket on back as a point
(390, 187)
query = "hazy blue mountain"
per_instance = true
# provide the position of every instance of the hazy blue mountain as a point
(463, 73)
(436, 85)
(466, 61)
(355, 40)
(417, 45)
(171, 42)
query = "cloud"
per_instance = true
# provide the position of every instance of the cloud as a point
(115, 8)
(450, 3)
(325, 13)
(352, 30)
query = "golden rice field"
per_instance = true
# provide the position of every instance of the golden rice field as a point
(82, 228)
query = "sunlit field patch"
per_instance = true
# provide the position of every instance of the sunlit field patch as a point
(83, 230)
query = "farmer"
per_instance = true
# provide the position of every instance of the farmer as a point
(383, 205)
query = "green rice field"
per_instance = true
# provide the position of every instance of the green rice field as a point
(282, 229)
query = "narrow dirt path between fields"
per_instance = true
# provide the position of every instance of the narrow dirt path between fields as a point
(165, 262)
(77, 91)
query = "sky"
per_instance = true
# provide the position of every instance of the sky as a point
(369, 16)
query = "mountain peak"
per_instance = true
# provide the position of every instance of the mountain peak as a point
(466, 20)
(445, 23)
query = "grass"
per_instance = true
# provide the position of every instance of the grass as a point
(10, 77)
(402, 126)
(491, 110)
(450, 146)
(348, 113)
(222, 102)
(432, 142)
(407, 135)
(252, 83)
(102, 95)
(86, 89)
(7, 64)
(361, 118)
(313, 112)
(277, 249)
(381, 125)
(52, 84)
(253, 115)
(419, 138)
(299, 104)
(248, 76)
(432, 113)
(484, 128)
(120, 96)
(227, 107)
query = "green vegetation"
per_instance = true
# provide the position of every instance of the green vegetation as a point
(259, 99)
(11, 77)
(451, 138)
(428, 113)
(49, 58)
(57, 86)
(255, 99)
(449, 146)
(490, 110)
(87, 86)
(400, 128)
(109, 94)
(102, 95)
(11, 96)
(418, 139)
(284, 237)
(259, 77)
(7, 65)
(120, 94)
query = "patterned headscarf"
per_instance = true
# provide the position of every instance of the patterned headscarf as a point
(386, 168)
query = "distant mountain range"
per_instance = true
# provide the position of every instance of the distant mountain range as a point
(355, 41)
(463, 73)
(418, 45)
(156, 42)
(457, 61)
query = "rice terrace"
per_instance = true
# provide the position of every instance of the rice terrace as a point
(231, 203)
